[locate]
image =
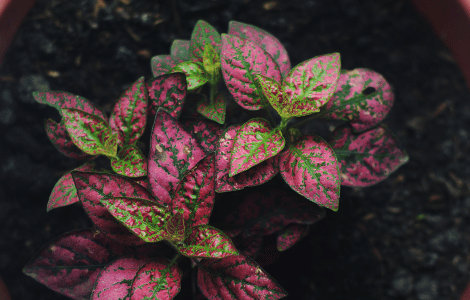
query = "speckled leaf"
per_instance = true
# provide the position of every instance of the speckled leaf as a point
(142, 217)
(70, 264)
(195, 74)
(92, 188)
(214, 111)
(58, 135)
(311, 84)
(241, 60)
(265, 40)
(273, 92)
(115, 280)
(206, 132)
(311, 169)
(173, 152)
(180, 50)
(255, 143)
(64, 192)
(129, 116)
(268, 210)
(90, 133)
(290, 235)
(350, 103)
(157, 279)
(367, 158)
(131, 162)
(203, 33)
(256, 175)
(207, 242)
(236, 277)
(211, 63)
(168, 92)
(194, 197)
(175, 228)
(162, 64)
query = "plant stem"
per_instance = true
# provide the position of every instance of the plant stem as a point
(175, 259)
(284, 123)
(213, 92)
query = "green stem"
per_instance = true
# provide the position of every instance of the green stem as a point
(284, 122)
(307, 120)
(213, 92)
(173, 261)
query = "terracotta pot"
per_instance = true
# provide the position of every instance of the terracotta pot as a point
(12, 13)
(4, 294)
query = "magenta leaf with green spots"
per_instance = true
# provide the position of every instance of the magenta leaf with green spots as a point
(157, 279)
(90, 133)
(256, 175)
(363, 98)
(241, 60)
(311, 169)
(207, 242)
(173, 152)
(367, 158)
(273, 92)
(206, 132)
(129, 116)
(255, 142)
(144, 218)
(168, 92)
(64, 192)
(130, 162)
(115, 280)
(57, 134)
(194, 196)
(180, 50)
(162, 64)
(196, 76)
(213, 111)
(236, 277)
(265, 40)
(203, 33)
(268, 210)
(290, 235)
(310, 85)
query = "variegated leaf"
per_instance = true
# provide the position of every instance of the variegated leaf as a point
(256, 175)
(290, 235)
(273, 92)
(168, 92)
(115, 280)
(213, 111)
(130, 162)
(236, 277)
(207, 242)
(175, 228)
(310, 85)
(162, 64)
(90, 133)
(203, 33)
(265, 40)
(59, 136)
(367, 158)
(196, 76)
(129, 116)
(241, 60)
(211, 63)
(180, 50)
(311, 169)
(173, 152)
(194, 197)
(255, 143)
(157, 279)
(144, 218)
(350, 103)
(64, 192)
(206, 132)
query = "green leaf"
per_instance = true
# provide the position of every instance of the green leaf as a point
(213, 111)
(272, 90)
(203, 34)
(130, 162)
(211, 62)
(180, 50)
(175, 230)
(90, 133)
(195, 74)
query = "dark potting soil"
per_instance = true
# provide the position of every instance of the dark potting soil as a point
(405, 238)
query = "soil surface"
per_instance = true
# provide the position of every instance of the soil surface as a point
(405, 238)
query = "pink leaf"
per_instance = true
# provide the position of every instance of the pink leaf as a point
(256, 175)
(180, 50)
(241, 60)
(162, 64)
(64, 192)
(157, 279)
(290, 235)
(167, 91)
(130, 113)
(349, 103)
(173, 152)
(131, 162)
(213, 111)
(265, 40)
(203, 33)
(367, 158)
(236, 277)
(58, 135)
(255, 143)
(311, 169)
(206, 132)
(310, 85)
